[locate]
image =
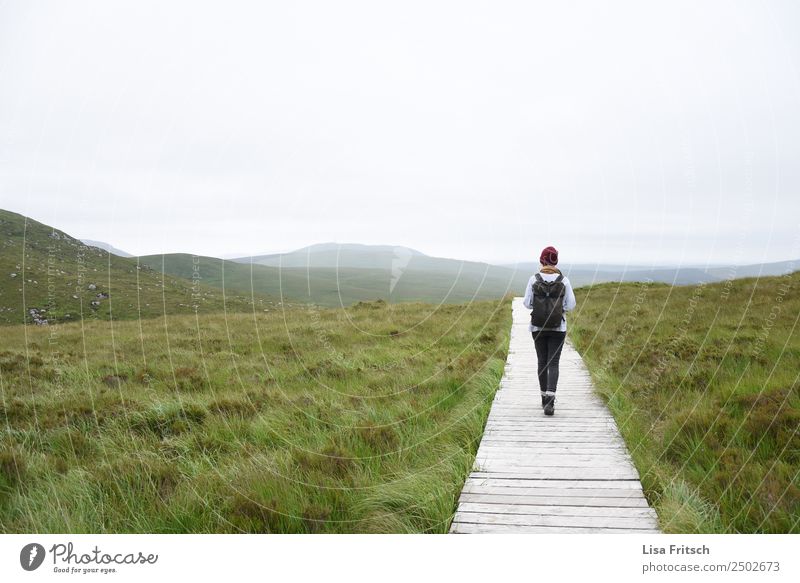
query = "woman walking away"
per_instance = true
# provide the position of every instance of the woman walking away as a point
(549, 295)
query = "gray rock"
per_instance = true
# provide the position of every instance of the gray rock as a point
(36, 316)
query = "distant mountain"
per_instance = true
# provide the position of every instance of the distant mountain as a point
(343, 273)
(586, 274)
(337, 255)
(672, 276)
(106, 247)
(364, 273)
(48, 277)
(756, 270)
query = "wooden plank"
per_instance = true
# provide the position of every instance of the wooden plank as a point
(504, 445)
(536, 414)
(545, 437)
(553, 461)
(538, 418)
(556, 500)
(522, 413)
(609, 453)
(598, 433)
(515, 447)
(549, 460)
(563, 510)
(500, 482)
(551, 491)
(560, 425)
(546, 447)
(540, 520)
(473, 528)
(604, 428)
(601, 432)
(566, 424)
(545, 451)
(567, 461)
(522, 440)
(560, 473)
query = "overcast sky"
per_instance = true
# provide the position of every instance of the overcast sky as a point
(618, 132)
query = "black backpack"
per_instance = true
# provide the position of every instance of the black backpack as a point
(548, 302)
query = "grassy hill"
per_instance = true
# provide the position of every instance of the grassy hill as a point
(300, 420)
(586, 274)
(47, 275)
(422, 278)
(703, 382)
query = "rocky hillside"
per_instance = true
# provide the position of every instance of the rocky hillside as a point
(47, 276)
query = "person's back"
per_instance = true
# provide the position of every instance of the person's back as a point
(548, 339)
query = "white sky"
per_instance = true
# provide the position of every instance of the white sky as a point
(618, 132)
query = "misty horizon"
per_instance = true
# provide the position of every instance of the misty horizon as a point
(116, 249)
(630, 133)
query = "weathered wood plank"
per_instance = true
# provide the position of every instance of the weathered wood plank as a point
(531, 440)
(546, 448)
(549, 447)
(570, 456)
(557, 460)
(554, 510)
(549, 520)
(555, 499)
(553, 461)
(565, 484)
(559, 473)
(474, 528)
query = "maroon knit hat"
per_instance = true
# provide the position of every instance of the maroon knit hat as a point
(549, 256)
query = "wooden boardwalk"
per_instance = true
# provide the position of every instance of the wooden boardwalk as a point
(567, 473)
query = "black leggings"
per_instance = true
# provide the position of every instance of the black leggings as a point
(548, 352)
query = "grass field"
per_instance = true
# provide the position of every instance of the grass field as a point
(160, 403)
(303, 420)
(703, 382)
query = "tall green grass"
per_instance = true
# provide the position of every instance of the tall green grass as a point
(703, 382)
(303, 420)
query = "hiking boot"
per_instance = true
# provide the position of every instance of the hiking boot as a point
(544, 400)
(549, 405)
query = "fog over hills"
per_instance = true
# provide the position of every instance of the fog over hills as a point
(333, 278)
(335, 254)
(334, 274)
(349, 271)
(350, 255)
(106, 247)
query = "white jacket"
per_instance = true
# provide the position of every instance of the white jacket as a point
(569, 298)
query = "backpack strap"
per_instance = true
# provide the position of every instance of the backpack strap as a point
(560, 277)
